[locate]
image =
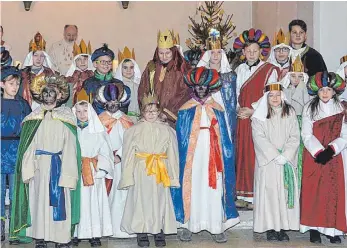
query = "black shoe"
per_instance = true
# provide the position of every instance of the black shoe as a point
(159, 239)
(93, 242)
(98, 241)
(142, 239)
(335, 239)
(75, 241)
(14, 242)
(40, 244)
(2, 230)
(282, 236)
(61, 245)
(315, 237)
(186, 235)
(272, 235)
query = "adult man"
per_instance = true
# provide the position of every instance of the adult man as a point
(61, 52)
(313, 60)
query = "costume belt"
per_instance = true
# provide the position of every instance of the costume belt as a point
(87, 174)
(56, 193)
(156, 166)
(215, 163)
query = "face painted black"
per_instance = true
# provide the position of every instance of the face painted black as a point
(49, 96)
(112, 106)
(200, 91)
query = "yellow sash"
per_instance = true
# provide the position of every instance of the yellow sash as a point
(156, 166)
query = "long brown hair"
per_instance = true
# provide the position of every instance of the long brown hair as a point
(178, 61)
(286, 108)
(314, 105)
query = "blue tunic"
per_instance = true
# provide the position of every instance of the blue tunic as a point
(13, 111)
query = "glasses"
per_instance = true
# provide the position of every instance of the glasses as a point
(283, 49)
(104, 62)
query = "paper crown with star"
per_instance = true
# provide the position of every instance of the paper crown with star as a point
(37, 44)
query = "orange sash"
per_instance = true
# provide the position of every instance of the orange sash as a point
(87, 175)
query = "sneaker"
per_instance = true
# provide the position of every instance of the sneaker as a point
(219, 238)
(159, 239)
(282, 236)
(335, 239)
(186, 235)
(142, 240)
(272, 235)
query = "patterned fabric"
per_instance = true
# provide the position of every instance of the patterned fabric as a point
(325, 79)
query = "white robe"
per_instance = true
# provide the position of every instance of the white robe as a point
(95, 219)
(243, 73)
(313, 146)
(62, 56)
(117, 198)
(206, 208)
(270, 196)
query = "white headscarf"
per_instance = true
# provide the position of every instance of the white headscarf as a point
(261, 106)
(73, 66)
(205, 61)
(137, 73)
(28, 61)
(341, 70)
(286, 80)
(272, 58)
(94, 123)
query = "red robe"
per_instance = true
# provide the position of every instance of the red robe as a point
(251, 91)
(323, 186)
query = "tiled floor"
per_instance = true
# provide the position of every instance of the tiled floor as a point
(237, 238)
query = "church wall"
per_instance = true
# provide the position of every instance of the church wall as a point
(107, 22)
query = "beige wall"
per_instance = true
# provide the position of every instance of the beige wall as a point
(108, 22)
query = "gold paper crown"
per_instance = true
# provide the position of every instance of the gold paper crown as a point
(149, 99)
(298, 66)
(214, 40)
(37, 44)
(82, 48)
(280, 38)
(126, 54)
(343, 59)
(165, 39)
(271, 87)
(176, 39)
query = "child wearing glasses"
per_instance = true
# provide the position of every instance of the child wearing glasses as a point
(102, 59)
(149, 170)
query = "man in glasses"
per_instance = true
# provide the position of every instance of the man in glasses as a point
(280, 53)
(312, 59)
(102, 59)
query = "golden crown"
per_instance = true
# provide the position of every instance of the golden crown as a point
(126, 54)
(165, 39)
(149, 99)
(214, 40)
(281, 38)
(298, 66)
(37, 44)
(176, 39)
(343, 59)
(82, 48)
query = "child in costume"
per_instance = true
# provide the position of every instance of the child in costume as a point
(205, 200)
(97, 162)
(342, 72)
(129, 73)
(149, 169)
(37, 63)
(81, 69)
(252, 76)
(13, 111)
(324, 181)
(46, 197)
(102, 59)
(110, 97)
(276, 137)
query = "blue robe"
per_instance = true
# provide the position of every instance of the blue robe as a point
(183, 129)
(13, 111)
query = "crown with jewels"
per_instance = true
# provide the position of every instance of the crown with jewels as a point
(149, 99)
(126, 54)
(280, 38)
(37, 44)
(166, 39)
(298, 66)
(343, 59)
(214, 40)
(82, 48)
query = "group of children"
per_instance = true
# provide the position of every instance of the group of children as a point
(112, 165)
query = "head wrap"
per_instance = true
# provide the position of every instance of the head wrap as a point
(8, 71)
(6, 59)
(137, 73)
(325, 79)
(112, 92)
(252, 36)
(94, 123)
(58, 81)
(205, 61)
(73, 66)
(28, 61)
(102, 51)
(203, 77)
